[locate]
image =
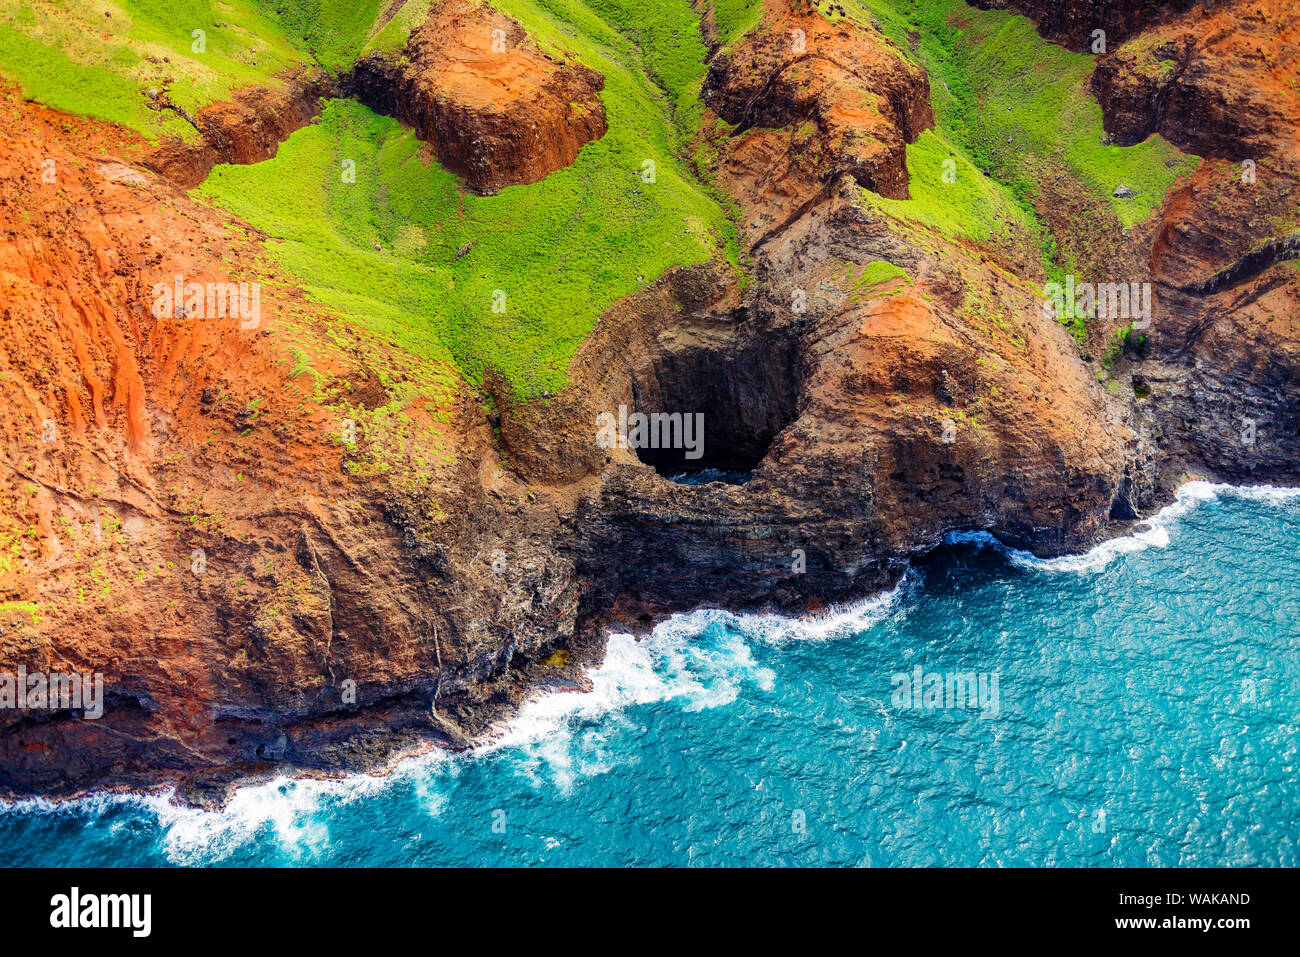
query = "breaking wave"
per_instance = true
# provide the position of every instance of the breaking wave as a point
(694, 731)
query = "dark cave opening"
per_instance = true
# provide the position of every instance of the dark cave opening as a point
(710, 414)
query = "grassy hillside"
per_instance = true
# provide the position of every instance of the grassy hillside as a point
(735, 18)
(560, 251)
(391, 36)
(551, 256)
(1017, 105)
(96, 58)
(970, 206)
(518, 279)
(332, 32)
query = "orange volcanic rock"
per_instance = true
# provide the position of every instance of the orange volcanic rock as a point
(1226, 350)
(1223, 84)
(850, 101)
(248, 130)
(135, 439)
(496, 109)
(883, 386)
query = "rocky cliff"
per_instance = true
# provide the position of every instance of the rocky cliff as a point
(1073, 23)
(494, 107)
(267, 587)
(1220, 83)
(860, 102)
(248, 129)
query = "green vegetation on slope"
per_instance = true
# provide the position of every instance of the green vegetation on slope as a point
(1019, 105)
(72, 57)
(392, 36)
(875, 273)
(546, 259)
(734, 18)
(667, 33)
(515, 280)
(949, 194)
(878, 278)
(550, 256)
(331, 31)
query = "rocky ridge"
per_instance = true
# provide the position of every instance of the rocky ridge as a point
(882, 387)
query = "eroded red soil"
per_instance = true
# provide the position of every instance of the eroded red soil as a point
(440, 557)
(496, 109)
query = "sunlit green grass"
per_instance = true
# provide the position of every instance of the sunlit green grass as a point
(332, 31)
(72, 57)
(551, 255)
(735, 18)
(667, 32)
(1015, 104)
(393, 35)
(950, 195)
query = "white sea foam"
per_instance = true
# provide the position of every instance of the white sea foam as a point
(559, 737)
(672, 663)
(285, 808)
(700, 659)
(1155, 535)
(556, 739)
(838, 621)
(1152, 532)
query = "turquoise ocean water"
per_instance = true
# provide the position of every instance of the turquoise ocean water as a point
(1146, 712)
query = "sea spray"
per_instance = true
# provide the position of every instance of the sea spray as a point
(704, 737)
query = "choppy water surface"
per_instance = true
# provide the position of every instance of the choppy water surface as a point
(1145, 714)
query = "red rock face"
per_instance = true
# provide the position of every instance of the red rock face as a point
(496, 110)
(1072, 22)
(132, 437)
(247, 130)
(877, 418)
(864, 100)
(1223, 85)
(1226, 348)
(1222, 81)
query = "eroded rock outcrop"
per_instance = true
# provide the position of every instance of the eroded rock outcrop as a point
(1218, 374)
(495, 108)
(898, 419)
(882, 386)
(852, 101)
(177, 513)
(247, 129)
(1072, 23)
(1221, 84)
